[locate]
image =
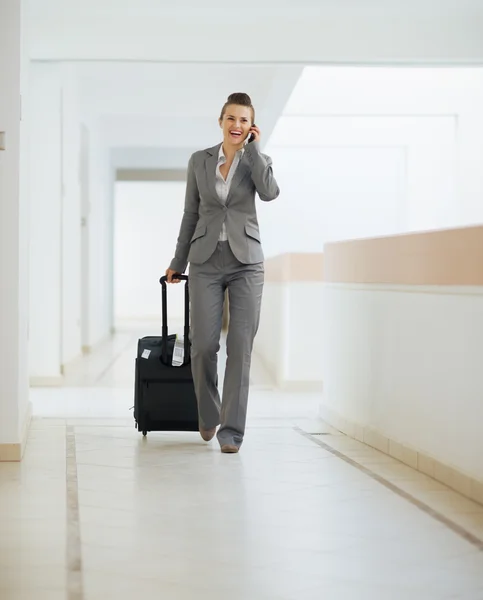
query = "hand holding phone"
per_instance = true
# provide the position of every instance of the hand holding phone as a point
(254, 134)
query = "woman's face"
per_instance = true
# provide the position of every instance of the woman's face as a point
(236, 124)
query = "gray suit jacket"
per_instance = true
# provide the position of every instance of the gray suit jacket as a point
(204, 212)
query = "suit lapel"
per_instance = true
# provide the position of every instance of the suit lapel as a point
(241, 172)
(210, 166)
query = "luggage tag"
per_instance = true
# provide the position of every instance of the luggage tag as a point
(178, 352)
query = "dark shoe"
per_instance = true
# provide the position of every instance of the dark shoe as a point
(229, 449)
(207, 434)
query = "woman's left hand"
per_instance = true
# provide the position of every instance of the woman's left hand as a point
(256, 133)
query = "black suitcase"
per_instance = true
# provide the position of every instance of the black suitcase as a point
(164, 395)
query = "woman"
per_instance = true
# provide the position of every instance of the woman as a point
(219, 237)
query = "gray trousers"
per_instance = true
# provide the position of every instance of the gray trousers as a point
(208, 283)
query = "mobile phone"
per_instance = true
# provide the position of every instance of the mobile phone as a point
(251, 137)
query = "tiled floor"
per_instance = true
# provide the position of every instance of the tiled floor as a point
(95, 511)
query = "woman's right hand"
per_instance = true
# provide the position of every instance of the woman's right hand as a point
(170, 274)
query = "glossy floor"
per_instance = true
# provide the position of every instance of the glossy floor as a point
(302, 513)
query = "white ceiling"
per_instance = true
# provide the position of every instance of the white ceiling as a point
(142, 108)
(154, 73)
(167, 90)
(250, 8)
(255, 31)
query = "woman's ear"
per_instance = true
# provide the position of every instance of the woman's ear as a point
(220, 121)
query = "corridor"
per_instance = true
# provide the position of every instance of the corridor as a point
(303, 512)
(361, 472)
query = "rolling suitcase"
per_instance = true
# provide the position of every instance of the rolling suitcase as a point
(164, 395)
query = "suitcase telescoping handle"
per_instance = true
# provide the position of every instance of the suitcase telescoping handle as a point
(164, 303)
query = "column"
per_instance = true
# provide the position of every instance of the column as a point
(13, 242)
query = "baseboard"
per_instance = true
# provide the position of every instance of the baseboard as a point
(449, 476)
(46, 381)
(10, 452)
(26, 428)
(15, 452)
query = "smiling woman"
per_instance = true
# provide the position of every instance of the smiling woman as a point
(237, 117)
(220, 238)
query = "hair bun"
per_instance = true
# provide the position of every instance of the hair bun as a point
(239, 98)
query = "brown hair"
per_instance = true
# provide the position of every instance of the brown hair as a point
(240, 99)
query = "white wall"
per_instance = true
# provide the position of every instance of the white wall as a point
(329, 193)
(405, 362)
(24, 218)
(304, 331)
(13, 226)
(365, 152)
(290, 336)
(46, 234)
(147, 220)
(99, 224)
(84, 242)
(270, 343)
(56, 275)
(71, 218)
(55, 222)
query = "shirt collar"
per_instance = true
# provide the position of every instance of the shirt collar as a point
(221, 154)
